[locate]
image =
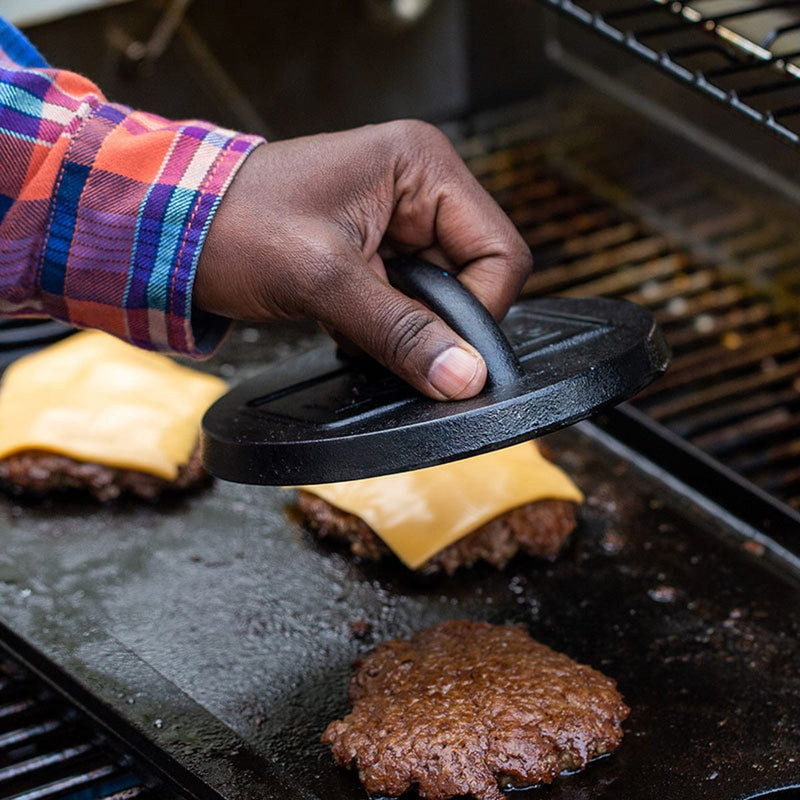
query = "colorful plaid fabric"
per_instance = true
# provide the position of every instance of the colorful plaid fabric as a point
(104, 210)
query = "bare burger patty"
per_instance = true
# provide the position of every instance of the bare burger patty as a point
(39, 472)
(540, 529)
(466, 708)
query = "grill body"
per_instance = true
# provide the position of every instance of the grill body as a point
(214, 636)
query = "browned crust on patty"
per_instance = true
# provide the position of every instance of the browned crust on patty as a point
(466, 707)
(539, 528)
(39, 472)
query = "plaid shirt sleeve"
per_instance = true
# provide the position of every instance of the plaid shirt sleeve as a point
(103, 209)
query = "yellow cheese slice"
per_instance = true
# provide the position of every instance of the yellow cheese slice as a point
(94, 398)
(419, 513)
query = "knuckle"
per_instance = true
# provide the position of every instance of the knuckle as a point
(515, 256)
(421, 135)
(406, 334)
(425, 130)
(369, 215)
(524, 258)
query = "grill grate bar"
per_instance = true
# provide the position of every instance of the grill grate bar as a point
(771, 423)
(704, 326)
(49, 749)
(734, 409)
(677, 410)
(588, 226)
(716, 360)
(617, 283)
(763, 462)
(125, 794)
(674, 292)
(584, 215)
(750, 66)
(703, 50)
(27, 733)
(42, 761)
(71, 782)
(778, 261)
(732, 223)
(567, 271)
(684, 308)
(17, 708)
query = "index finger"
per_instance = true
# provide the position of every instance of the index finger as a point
(475, 234)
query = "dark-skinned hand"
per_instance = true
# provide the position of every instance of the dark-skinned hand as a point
(304, 227)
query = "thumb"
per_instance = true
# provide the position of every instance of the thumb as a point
(402, 334)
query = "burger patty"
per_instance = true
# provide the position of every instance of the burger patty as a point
(539, 528)
(468, 708)
(39, 472)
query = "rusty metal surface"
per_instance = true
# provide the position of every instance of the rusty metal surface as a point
(221, 631)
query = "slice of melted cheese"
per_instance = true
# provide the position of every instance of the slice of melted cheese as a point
(94, 398)
(419, 513)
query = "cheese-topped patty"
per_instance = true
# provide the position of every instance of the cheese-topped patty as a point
(94, 398)
(419, 513)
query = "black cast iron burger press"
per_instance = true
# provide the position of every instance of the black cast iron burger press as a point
(319, 419)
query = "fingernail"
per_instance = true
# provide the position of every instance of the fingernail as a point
(453, 370)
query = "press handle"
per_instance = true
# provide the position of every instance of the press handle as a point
(461, 310)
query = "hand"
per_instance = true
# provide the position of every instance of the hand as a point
(305, 225)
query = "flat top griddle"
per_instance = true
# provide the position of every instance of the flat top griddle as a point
(216, 628)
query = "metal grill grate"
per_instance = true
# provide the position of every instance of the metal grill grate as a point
(734, 386)
(48, 749)
(743, 53)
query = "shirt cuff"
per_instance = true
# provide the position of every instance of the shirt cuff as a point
(133, 202)
(198, 333)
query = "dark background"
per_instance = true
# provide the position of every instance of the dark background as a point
(283, 68)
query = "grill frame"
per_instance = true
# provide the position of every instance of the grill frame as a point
(103, 669)
(47, 747)
(743, 55)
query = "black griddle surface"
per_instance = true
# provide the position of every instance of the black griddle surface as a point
(221, 631)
